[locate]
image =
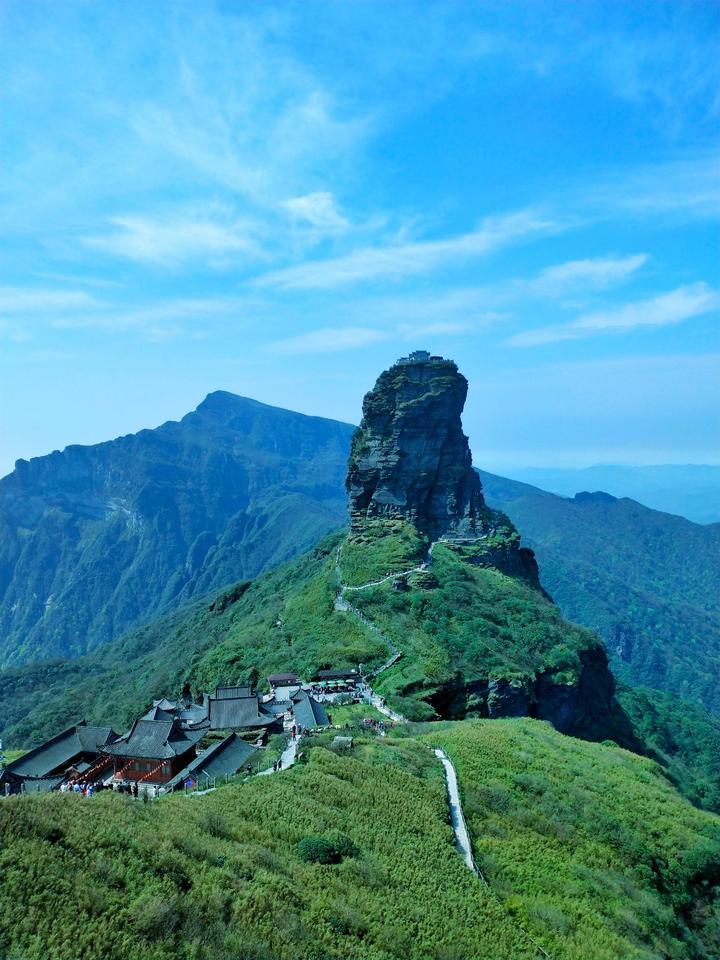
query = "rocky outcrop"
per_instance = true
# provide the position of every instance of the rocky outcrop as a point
(410, 457)
(411, 460)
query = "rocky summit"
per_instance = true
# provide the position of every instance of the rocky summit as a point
(410, 460)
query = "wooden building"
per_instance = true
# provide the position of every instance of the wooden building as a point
(154, 751)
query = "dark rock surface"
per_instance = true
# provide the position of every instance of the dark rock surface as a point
(410, 457)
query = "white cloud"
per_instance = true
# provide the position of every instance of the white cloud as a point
(593, 273)
(333, 340)
(174, 239)
(668, 308)
(408, 259)
(156, 321)
(21, 299)
(319, 210)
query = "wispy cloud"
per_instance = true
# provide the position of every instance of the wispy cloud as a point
(591, 273)
(319, 210)
(408, 259)
(173, 239)
(22, 299)
(335, 340)
(668, 308)
(155, 321)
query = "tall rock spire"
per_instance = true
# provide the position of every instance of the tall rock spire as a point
(410, 458)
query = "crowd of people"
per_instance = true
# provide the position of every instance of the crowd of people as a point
(90, 789)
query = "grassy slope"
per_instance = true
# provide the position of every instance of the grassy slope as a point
(587, 845)
(220, 877)
(476, 621)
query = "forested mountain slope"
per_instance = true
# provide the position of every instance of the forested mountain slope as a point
(96, 539)
(646, 581)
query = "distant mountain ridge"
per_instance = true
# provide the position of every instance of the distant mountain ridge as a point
(690, 490)
(646, 581)
(96, 539)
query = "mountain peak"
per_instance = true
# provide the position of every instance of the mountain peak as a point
(410, 458)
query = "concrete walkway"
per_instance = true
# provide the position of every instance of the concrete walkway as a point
(287, 757)
(457, 818)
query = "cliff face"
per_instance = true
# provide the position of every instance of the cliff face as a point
(410, 457)
(410, 460)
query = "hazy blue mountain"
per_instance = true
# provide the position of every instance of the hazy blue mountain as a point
(96, 539)
(690, 490)
(646, 581)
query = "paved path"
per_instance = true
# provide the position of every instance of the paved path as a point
(457, 818)
(288, 757)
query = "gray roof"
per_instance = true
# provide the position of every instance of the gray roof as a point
(309, 712)
(155, 740)
(277, 707)
(195, 713)
(42, 785)
(60, 750)
(221, 759)
(157, 713)
(165, 704)
(232, 693)
(238, 713)
(282, 679)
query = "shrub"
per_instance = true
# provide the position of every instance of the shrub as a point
(317, 850)
(333, 848)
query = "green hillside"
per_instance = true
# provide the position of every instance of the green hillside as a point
(458, 631)
(473, 642)
(560, 828)
(95, 540)
(647, 582)
(587, 845)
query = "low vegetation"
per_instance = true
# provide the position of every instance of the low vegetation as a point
(588, 846)
(228, 875)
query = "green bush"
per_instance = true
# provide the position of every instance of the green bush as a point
(318, 850)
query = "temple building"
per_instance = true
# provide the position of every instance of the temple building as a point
(153, 751)
(222, 759)
(308, 712)
(77, 752)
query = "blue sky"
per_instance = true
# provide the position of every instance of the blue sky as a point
(280, 199)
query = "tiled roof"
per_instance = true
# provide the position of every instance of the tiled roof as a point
(157, 713)
(155, 740)
(60, 750)
(238, 713)
(222, 759)
(42, 785)
(281, 679)
(195, 713)
(232, 693)
(165, 704)
(309, 712)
